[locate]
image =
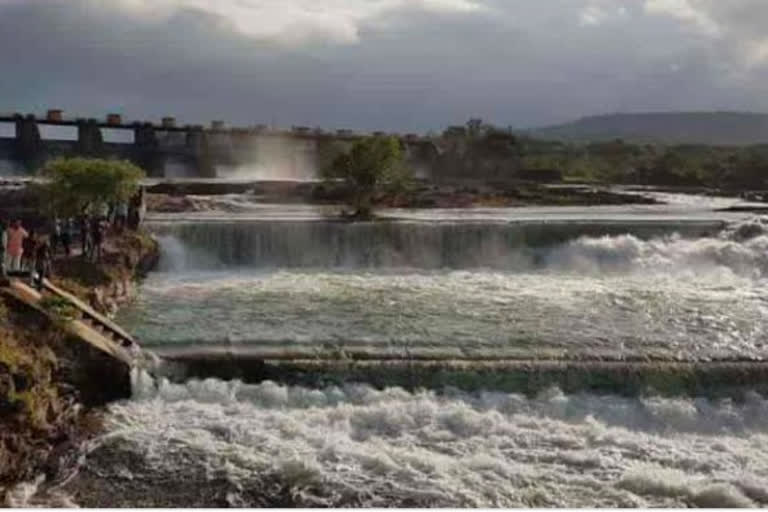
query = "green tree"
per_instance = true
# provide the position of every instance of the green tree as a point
(372, 165)
(70, 185)
(748, 169)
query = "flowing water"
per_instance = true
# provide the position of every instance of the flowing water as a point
(466, 286)
(218, 443)
(625, 289)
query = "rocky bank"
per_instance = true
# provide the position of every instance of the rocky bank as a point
(52, 386)
(192, 196)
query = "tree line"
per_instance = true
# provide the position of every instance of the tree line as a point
(483, 151)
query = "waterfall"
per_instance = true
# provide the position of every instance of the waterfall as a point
(288, 244)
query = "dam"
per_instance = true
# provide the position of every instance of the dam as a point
(166, 149)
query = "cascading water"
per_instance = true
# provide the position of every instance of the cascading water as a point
(221, 443)
(459, 289)
(690, 291)
(322, 244)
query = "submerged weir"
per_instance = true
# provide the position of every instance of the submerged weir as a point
(611, 306)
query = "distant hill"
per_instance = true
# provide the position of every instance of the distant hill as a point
(716, 128)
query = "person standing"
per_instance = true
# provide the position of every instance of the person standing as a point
(104, 211)
(85, 233)
(3, 245)
(56, 235)
(42, 262)
(97, 237)
(133, 213)
(67, 234)
(121, 218)
(28, 246)
(15, 248)
(137, 210)
(142, 207)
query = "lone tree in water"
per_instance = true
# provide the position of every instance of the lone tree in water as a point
(372, 165)
(71, 185)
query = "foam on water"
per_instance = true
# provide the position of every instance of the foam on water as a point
(271, 444)
(356, 445)
(747, 258)
(33, 494)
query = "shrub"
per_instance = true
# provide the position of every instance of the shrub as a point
(59, 308)
(73, 184)
(372, 164)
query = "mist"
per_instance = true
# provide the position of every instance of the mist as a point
(273, 158)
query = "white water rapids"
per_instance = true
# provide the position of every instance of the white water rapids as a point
(689, 291)
(226, 443)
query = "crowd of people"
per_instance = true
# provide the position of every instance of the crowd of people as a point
(32, 251)
(24, 250)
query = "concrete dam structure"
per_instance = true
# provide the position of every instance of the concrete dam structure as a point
(168, 150)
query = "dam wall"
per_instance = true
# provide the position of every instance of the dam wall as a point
(167, 150)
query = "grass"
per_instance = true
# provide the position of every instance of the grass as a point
(11, 355)
(60, 309)
(72, 286)
(35, 403)
(26, 356)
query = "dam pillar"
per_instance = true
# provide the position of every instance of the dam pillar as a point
(146, 150)
(89, 138)
(29, 143)
(200, 151)
(144, 136)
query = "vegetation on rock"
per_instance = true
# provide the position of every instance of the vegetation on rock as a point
(29, 398)
(372, 165)
(59, 308)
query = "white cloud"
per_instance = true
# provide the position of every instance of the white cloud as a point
(592, 15)
(598, 12)
(684, 11)
(738, 25)
(296, 21)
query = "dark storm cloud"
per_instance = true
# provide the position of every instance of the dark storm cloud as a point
(381, 64)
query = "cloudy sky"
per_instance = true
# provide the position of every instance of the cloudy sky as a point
(409, 65)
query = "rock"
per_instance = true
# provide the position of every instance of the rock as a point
(10, 407)
(21, 382)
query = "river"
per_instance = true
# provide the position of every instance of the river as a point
(677, 282)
